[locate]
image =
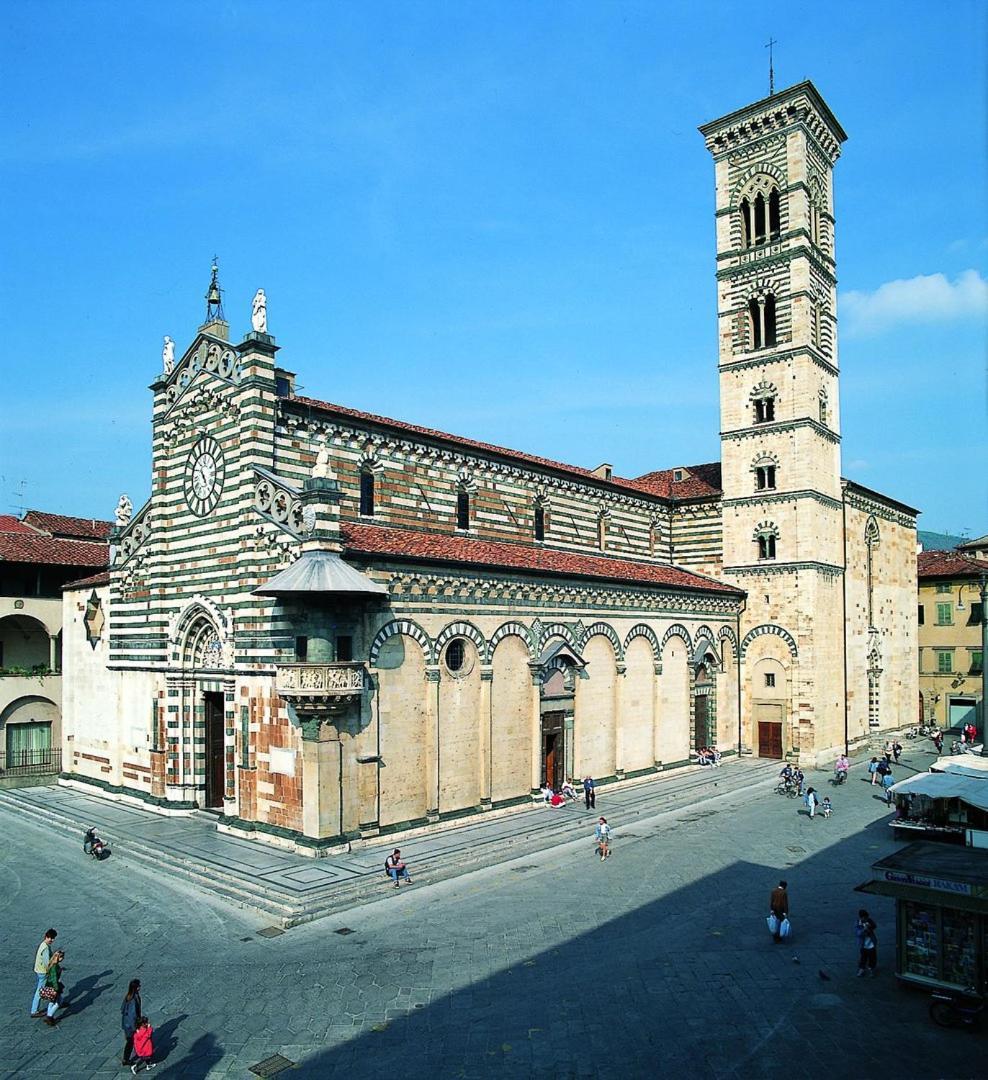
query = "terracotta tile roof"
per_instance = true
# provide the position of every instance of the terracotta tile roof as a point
(443, 547)
(932, 564)
(51, 550)
(89, 582)
(11, 524)
(72, 528)
(699, 481)
(459, 440)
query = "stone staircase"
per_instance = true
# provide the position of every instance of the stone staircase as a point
(192, 849)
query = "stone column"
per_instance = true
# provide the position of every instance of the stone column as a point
(620, 669)
(432, 678)
(656, 716)
(52, 652)
(484, 741)
(537, 778)
(321, 788)
(761, 321)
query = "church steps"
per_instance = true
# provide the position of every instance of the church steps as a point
(476, 848)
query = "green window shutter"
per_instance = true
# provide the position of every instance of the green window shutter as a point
(977, 662)
(945, 614)
(945, 662)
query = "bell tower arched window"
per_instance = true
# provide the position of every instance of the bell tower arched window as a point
(765, 537)
(774, 214)
(760, 209)
(764, 477)
(763, 403)
(762, 321)
(770, 338)
(746, 223)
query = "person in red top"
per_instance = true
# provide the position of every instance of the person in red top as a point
(143, 1046)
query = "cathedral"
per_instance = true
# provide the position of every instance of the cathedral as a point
(325, 625)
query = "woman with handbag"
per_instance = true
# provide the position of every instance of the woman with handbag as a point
(130, 1013)
(51, 992)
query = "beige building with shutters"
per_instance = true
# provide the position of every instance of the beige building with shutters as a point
(326, 624)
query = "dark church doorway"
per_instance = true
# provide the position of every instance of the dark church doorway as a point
(553, 749)
(704, 707)
(215, 748)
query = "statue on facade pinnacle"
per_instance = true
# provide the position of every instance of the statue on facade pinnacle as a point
(124, 512)
(322, 469)
(259, 312)
(168, 355)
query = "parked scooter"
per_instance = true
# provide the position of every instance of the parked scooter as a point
(93, 844)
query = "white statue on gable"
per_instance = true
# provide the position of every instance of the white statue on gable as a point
(322, 469)
(259, 313)
(168, 355)
(124, 511)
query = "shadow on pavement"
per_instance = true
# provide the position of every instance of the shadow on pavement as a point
(84, 992)
(164, 1037)
(198, 1061)
(686, 985)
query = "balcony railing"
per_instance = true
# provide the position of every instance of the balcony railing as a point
(320, 681)
(31, 762)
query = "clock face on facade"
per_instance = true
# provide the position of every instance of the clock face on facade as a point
(204, 477)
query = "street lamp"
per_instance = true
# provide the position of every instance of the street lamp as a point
(982, 588)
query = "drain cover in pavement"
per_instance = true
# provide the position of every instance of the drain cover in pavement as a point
(344, 930)
(270, 931)
(271, 1066)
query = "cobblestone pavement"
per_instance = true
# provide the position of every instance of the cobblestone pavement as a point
(656, 962)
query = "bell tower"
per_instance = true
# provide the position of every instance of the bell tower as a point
(780, 412)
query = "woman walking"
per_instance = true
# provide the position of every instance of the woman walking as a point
(52, 990)
(602, 834)
(130, 1013)
(864, 931)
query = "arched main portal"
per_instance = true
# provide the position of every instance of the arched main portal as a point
(202, 654)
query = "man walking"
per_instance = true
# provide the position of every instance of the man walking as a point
(589, 793)
(778, 904)
(42, 958)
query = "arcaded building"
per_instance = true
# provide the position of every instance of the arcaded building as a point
(325, 624)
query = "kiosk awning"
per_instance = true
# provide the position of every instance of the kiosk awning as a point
(946, 786)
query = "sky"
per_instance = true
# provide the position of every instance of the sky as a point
(495, 219)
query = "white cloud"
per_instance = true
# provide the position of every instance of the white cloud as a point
(926, 298)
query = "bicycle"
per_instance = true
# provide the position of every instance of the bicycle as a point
(952, 1010)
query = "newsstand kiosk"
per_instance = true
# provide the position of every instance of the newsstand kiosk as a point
(941, 895)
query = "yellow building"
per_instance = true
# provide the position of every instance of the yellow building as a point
(951, 648)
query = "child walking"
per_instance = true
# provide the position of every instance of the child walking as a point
(143, 1046)
(826, 807)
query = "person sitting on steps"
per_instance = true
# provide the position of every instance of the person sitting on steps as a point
(396, 868)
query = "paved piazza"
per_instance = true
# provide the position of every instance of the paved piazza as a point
(655, 963)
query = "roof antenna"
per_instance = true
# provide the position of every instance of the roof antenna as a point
(771, 69)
